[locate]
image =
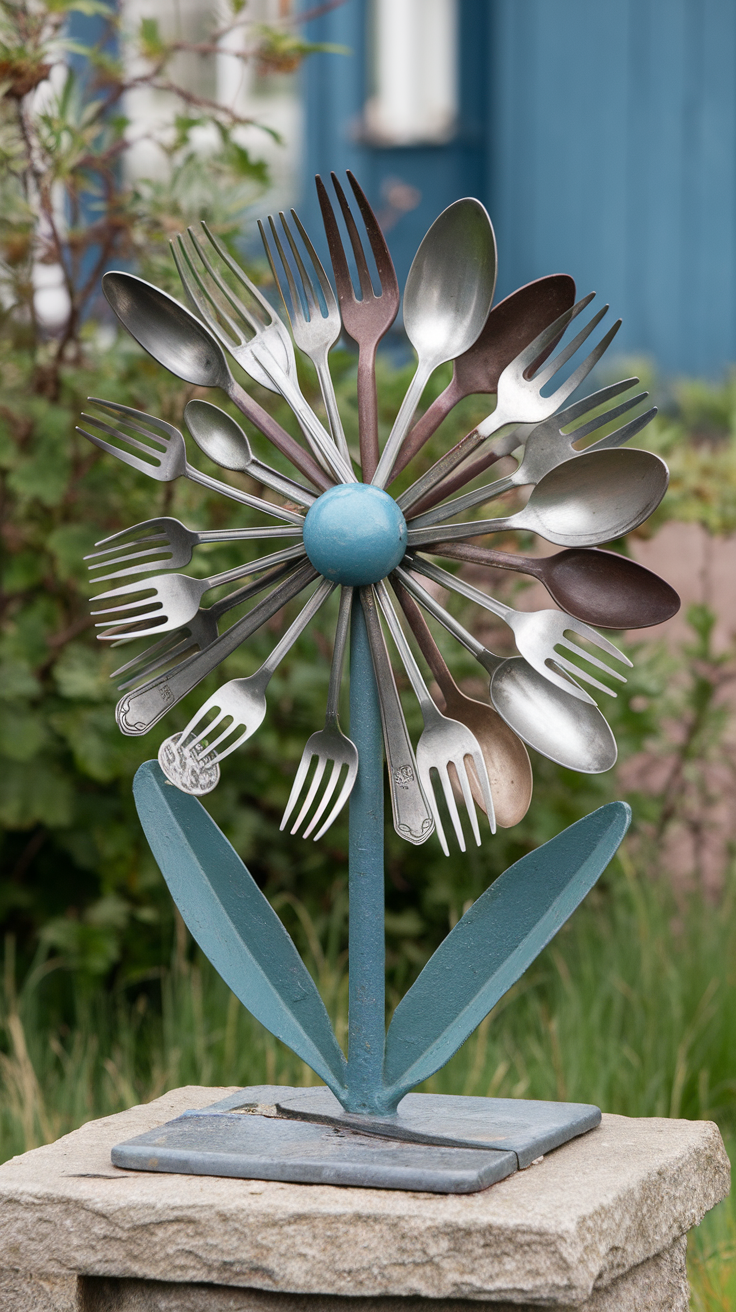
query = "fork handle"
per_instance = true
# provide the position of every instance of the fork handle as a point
(479, 495)
(425, 427)
(283, 441)
(139, 710)
(455, 584)
(412, 816)
(368, 411)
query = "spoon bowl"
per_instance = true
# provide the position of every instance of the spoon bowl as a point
(166, 329)
(567, 731)
(219, 436)
(597, 497)
(602, 588)
(507, 760)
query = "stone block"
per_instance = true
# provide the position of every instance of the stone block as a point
(598, 1225)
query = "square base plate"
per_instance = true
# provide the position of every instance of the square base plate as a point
(434, 1143)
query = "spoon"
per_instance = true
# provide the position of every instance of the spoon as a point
(178, 341)
(511, 325)
(507, 761)
(566, 730)
(225, 442)
(599, 587)
(447, 298)
(596, 498)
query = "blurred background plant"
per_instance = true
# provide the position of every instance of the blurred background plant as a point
(105, 1002)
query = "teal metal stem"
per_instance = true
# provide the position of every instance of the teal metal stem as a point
(366, 1023)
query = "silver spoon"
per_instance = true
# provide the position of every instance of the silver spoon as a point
(225, 442)
(583, 503)
(447, 298)
(570, 732)
(182, 344)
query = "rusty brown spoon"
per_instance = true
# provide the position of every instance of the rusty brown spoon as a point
(599, 587)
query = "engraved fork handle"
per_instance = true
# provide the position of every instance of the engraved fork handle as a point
(412, 816)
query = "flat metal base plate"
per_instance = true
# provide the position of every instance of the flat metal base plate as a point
(435, 1143)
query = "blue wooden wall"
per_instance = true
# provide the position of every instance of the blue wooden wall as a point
(601, 134)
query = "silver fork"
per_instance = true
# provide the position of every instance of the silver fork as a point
(329, 745)
(315, 333)
(239, 706)
(444, 742)
(165, 542)
(538, 634)
(166, 453)
(257, 341)
(175, 597)
(520, 399)
(196, 636)
(548, 446)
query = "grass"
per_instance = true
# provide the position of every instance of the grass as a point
(631, 1007)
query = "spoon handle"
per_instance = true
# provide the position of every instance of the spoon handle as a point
(256, 503)
(487, 556)
(402, 423)
(255, 566)
(338, 655)
(455, 584)
(283, 441)
(412, 816)
(447, 620)
(478, 496)
(426, 426)
(429, 649)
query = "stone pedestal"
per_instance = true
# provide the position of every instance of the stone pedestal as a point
(599, 1225)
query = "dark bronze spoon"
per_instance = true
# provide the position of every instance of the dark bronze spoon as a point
(598, 587)
(511, 325)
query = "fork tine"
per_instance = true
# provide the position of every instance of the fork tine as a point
(582, 371)
(444, 777)
(241, 275)
(327, 795)
(629, 430)
(319, 269)
(577, 673)
(123, 437)
(120, 546)
(340, 268)
(591, 402)
(426, 783)
(312, 303)
(199, 293)
(312, 792)
(484, 783)
(342, 798)
(548, 336)
(585, 631)
(462, 778)
(366, 286)
(296, 306)
(126, 456)
(239, 306)
(168, 430)
(381, 253)
(552, 366)
(584, 430)
(296, 787)
(592, 660)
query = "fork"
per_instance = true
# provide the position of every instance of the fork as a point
(520, 399)
(538, 633)
(443, 743)
(175, 597)
(267, 350)
(157, 537)
(140, 709)
(548, 446)
(167, 454)
(315, 333)
(329, 745)
(239, 706)
(366, 320)
(200, 632)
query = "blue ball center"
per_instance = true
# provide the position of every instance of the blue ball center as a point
(355, 534)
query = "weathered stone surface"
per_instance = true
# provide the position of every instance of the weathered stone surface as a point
(589, 1213)
(21, 1291)
(657, 1285)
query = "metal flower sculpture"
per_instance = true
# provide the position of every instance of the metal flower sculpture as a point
(349, 531)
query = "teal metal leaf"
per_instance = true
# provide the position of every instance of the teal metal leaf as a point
(234, 924)
(493, 944)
